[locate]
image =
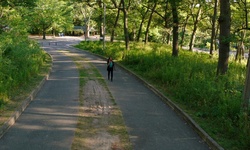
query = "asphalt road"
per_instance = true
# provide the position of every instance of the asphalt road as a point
(50, 120)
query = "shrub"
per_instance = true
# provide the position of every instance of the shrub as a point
(20, 60)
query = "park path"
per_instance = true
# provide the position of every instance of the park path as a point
(49, 122)
(151, 124)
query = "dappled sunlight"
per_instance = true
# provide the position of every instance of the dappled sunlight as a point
(30, 127)
(69, 78)
(53, 112)
(65, 61)
(96, 61)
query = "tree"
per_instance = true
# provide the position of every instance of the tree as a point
(116, 19)
(240, 10)
(240, 47)
(12, 12)
(184, 29)
(164, 12)
(125, 22)
(196, 19)
(49, 14)
(143, 11)
(174, 5)
(3, 18)
(100, 19)
(224, 39)
(213, 35)
(150, 20)
(12, 18)
(14, 3)
(83, 14)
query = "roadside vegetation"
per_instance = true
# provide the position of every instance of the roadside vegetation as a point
(23, 65)
(190, 81)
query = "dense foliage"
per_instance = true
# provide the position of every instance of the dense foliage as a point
(20, 60)
(214, 102)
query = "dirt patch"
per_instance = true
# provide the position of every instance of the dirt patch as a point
(100, 124)
(98, 104)
(96, 99)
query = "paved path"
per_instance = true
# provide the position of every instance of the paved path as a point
(49, 121)
(151, 124)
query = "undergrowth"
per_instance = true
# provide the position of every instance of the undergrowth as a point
(191, 82)
(20, 60)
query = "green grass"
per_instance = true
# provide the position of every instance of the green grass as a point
(191, 82)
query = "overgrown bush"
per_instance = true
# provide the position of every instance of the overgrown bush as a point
(20, 60)
(191, 81)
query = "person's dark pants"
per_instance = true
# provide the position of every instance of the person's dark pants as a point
(110, 72)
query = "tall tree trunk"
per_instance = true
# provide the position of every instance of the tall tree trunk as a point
(141, 24)
(125, 21)
(216, 41)
(100, 22)
(240, 51)
(166, 23)
(213, 43)
(149, 22)
(240, 47)
(87, 32)
(168, 38)
(224, 39)
(184, 30)
(175, 50)
(192, 5)
(44, 32)
(197, 19)
(246, 94)
(115, 24)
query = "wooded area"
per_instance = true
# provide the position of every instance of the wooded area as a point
(218, 27)
(181, 23)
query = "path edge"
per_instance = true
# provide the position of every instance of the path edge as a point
(12, 119)
(205, 136)
(202, 133)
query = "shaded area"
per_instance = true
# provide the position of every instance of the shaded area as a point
(49, 121)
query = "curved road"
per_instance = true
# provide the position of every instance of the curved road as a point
(50, 119)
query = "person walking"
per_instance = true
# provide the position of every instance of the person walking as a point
(110, 68)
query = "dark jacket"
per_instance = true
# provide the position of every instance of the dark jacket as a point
(111, 65)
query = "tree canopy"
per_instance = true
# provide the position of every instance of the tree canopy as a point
(193, 21)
